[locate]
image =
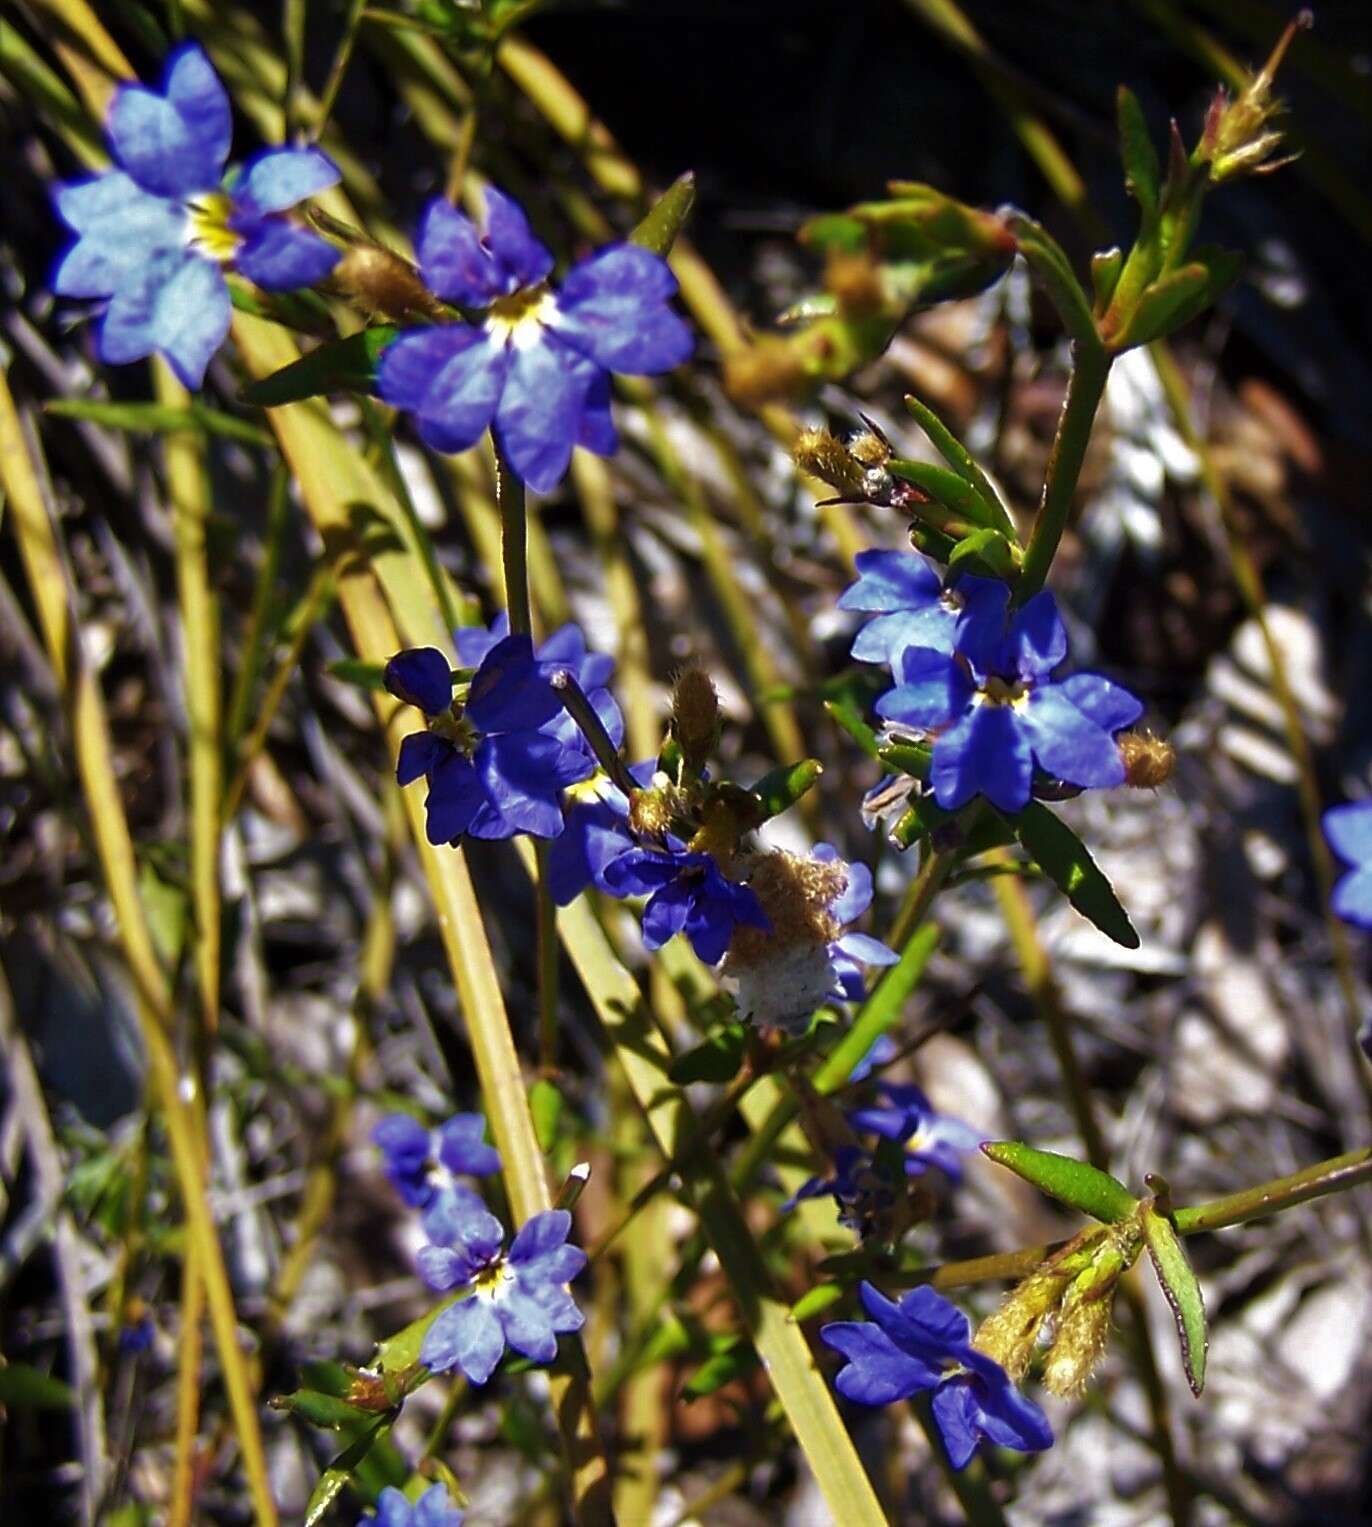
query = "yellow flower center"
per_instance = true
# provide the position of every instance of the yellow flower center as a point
(519, 318)
(588, 789)
(210, 233)
(489, 1281)
(1002, 692)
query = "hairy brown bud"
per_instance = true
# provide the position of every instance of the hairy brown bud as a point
(1079, 1344)
(1010, 1335)
(825, 456)
(651, 811)
(856, 282)
(376, 281)
(695, 716)
(870, 448)
(1149, 760)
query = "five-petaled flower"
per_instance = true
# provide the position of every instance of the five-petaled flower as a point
(433, 1509)
(422, 1164)
(519, 1298)
(495, 765)
(687, 893)
(924, 1344)
(995, 710)
(155, 233)
(1349, 830)
(908, 605)
(536, 369)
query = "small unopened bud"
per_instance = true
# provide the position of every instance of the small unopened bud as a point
(1149, 760)
(1078, 1346)
(1237, 138)
(825, 456)
(695, 717)
(870, 447)
(1010, 1335)
(856, 282)
(770, 370)
(651, 811)
(378, 282)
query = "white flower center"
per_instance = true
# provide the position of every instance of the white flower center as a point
(519, 319)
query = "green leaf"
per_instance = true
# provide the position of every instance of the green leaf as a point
(1051, 267)
(1106, 265)
(29, 1388)
(320, 1409)
(1179, 1283)
(815, 1301)
(734, 1358)
(985, 551)
(342, 1469)
(1063, 857)
(339, 365)
(352, 670)
(919, 819)
(1175, 299)
(879, 1012)
(1077, 1183)
(160, 419)
(913, 758)
(659, 229)
(949, 488)
(960, 459)
(716, 1060)
(401, 1351)
(780, 789)
(1142, 169)
(844, 712)
(545, 1104)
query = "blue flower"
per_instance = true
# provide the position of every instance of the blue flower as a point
(687, 893)
(422, 1164)
(849, 952)
(995, 711)
(864, 1186)
(136, 1336)
(519, 1298)
(909, 606)
(536, 371)
(496, 768)
(154, 234)
(924, 1344)
(1349, 830)
(595, 833)
(433, 1509)
(929, 1139)
(883, 1050)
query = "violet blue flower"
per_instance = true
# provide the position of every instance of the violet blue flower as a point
(995, 711)
(155, 233)
(883, 1049)
(536, 370)
(433, 1509)
(519, 1297)
(687, 893)
(924, 1344)
(1349, 830)
(865, 1187)
(495, 768)
(422, 1165)
(929, 1139)
(849, 952)
(595, 833)
(908, 603)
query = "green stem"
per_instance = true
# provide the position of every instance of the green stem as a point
(514, 545)
(1090, 368)
(545, 943)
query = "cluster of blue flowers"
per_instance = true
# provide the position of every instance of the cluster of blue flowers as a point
(433, 1509)
(922, 1345)
(867, 1184)
(978, 678)
(516, 1298)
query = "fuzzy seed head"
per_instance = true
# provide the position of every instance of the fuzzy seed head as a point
(795, 894)
(695, 716)
(1078, 1345)
(823, 455)
(1149, 760)
(651, 812)
(870, 449)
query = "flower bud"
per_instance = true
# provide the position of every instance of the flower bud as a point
(1237, 138)
(825, 456)
(1149, 760)
(695, 717)
(651, 811)
(1010, 1335)
(856, 282)
(375, 281)
(1078, 1345)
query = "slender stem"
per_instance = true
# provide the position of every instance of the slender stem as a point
(545, 943)
(188, 1378)
(921, 891)
(580, 709)
(514, 545)
(338, 69)
(1090, 368)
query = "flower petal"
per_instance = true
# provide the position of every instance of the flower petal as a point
(454, 262)
(455, 796)
(422, 677)
(122, 228)
(1066, 743)
(539, 413)
(1108, 704)
(891, 580)
(613, 308)
(467, 1336)
(516, 770)
(885, 637)
(176, 304)
(510, 691)
(1037, 639)
(461, 1147)
(544, 1231)
(666, 913)
(1352, 898)
(420, 754)
(986, 753)
(174, 143)
(279, 257)
(511, 240)
(932, 690)
(877, 1371)
(1349, 830)
(281, 177)
(527, 1327)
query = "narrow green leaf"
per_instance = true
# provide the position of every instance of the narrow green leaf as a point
(1077, 1183)
(913, 758)
(946, 443)
(29, 1388)
(1106, 265)
(815, 1301)
(400, 1352)
(1175, 299)
(985, 551)
(1142, 170)
(545, 1104)
(1063, 857)
(716, 1060)
(159, 419)
(659, 229)
(780, 789)
(341, 1470)
(845, 713)
(735, 1360)
(340, 365)
(321, 1409)
(879, 1012)
(1053, 270)
(949, 488)
(1179, 1283)
(352, 670)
